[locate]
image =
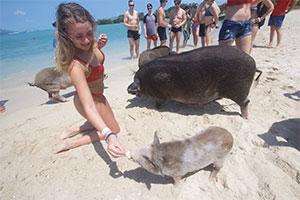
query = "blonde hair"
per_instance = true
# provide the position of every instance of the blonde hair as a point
(66, 15)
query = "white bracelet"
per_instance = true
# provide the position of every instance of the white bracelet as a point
(105, 131)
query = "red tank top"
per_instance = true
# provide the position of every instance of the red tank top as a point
(96, 72)
(237, 2)
(281, 6)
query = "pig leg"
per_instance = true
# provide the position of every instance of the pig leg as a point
(217, 165)
(56, 97)
(177, 180)
(244, 108)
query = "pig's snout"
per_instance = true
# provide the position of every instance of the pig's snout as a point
(134, 88)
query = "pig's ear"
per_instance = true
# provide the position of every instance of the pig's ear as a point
(155, 139)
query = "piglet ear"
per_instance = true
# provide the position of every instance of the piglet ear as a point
(155, 139)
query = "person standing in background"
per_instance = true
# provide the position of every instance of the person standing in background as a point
(200, 16)
(211, 18)
(259, 11)
(132, 22)
(186, 27)
(276, 19)
(237, 25)
(177, 20)
(162, 24)
(195, 26)
(150, 27)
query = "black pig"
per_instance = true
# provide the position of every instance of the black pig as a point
(199, 76)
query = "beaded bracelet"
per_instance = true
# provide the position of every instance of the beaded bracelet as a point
(105, 131)
(110, 134)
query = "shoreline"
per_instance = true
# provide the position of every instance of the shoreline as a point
(264, 162)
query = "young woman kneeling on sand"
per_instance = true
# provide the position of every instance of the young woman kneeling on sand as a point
(77, 55)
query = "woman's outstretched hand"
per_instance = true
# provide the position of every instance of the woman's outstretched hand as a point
(114, 147)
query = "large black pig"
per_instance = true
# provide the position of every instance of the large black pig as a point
(199, 76)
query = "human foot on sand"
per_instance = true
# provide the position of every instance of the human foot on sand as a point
(269, 45)
(68, 133)
(63, 146)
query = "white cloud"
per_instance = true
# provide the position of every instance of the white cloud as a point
(19, 12)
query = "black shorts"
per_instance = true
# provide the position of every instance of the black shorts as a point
(162, 33)
(202, 30)
(175, 30)
(133, 34)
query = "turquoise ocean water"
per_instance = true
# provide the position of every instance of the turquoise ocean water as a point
(28, 51)
(31, 51)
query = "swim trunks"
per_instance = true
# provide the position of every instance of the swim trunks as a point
(162, 33)
(195, 27)
(276, 21)
(152, 37)
(202, 30)
(232, 30)
(133, 34)
(175, 30)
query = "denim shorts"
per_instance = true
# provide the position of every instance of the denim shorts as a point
(276, 21)
(232, 30)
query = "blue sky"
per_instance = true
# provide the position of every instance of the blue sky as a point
(21, 15)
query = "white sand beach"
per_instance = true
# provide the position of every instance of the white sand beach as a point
(263, 164)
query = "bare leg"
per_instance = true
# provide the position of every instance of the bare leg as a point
(244, 44)
(70, 132)
(184, 43)
(131, 47)
(155, 43)
(272, 32)
(148, 43)
(195, 37)
(107, 115)
(209, 35)
(178, 34)
(279, 36)
(172, 37)
(254, 32)
(203, 41)
(228, 43)
(137, 47)
(163, 43)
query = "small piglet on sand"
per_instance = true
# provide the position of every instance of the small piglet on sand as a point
(177, 158)
(52, 81)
